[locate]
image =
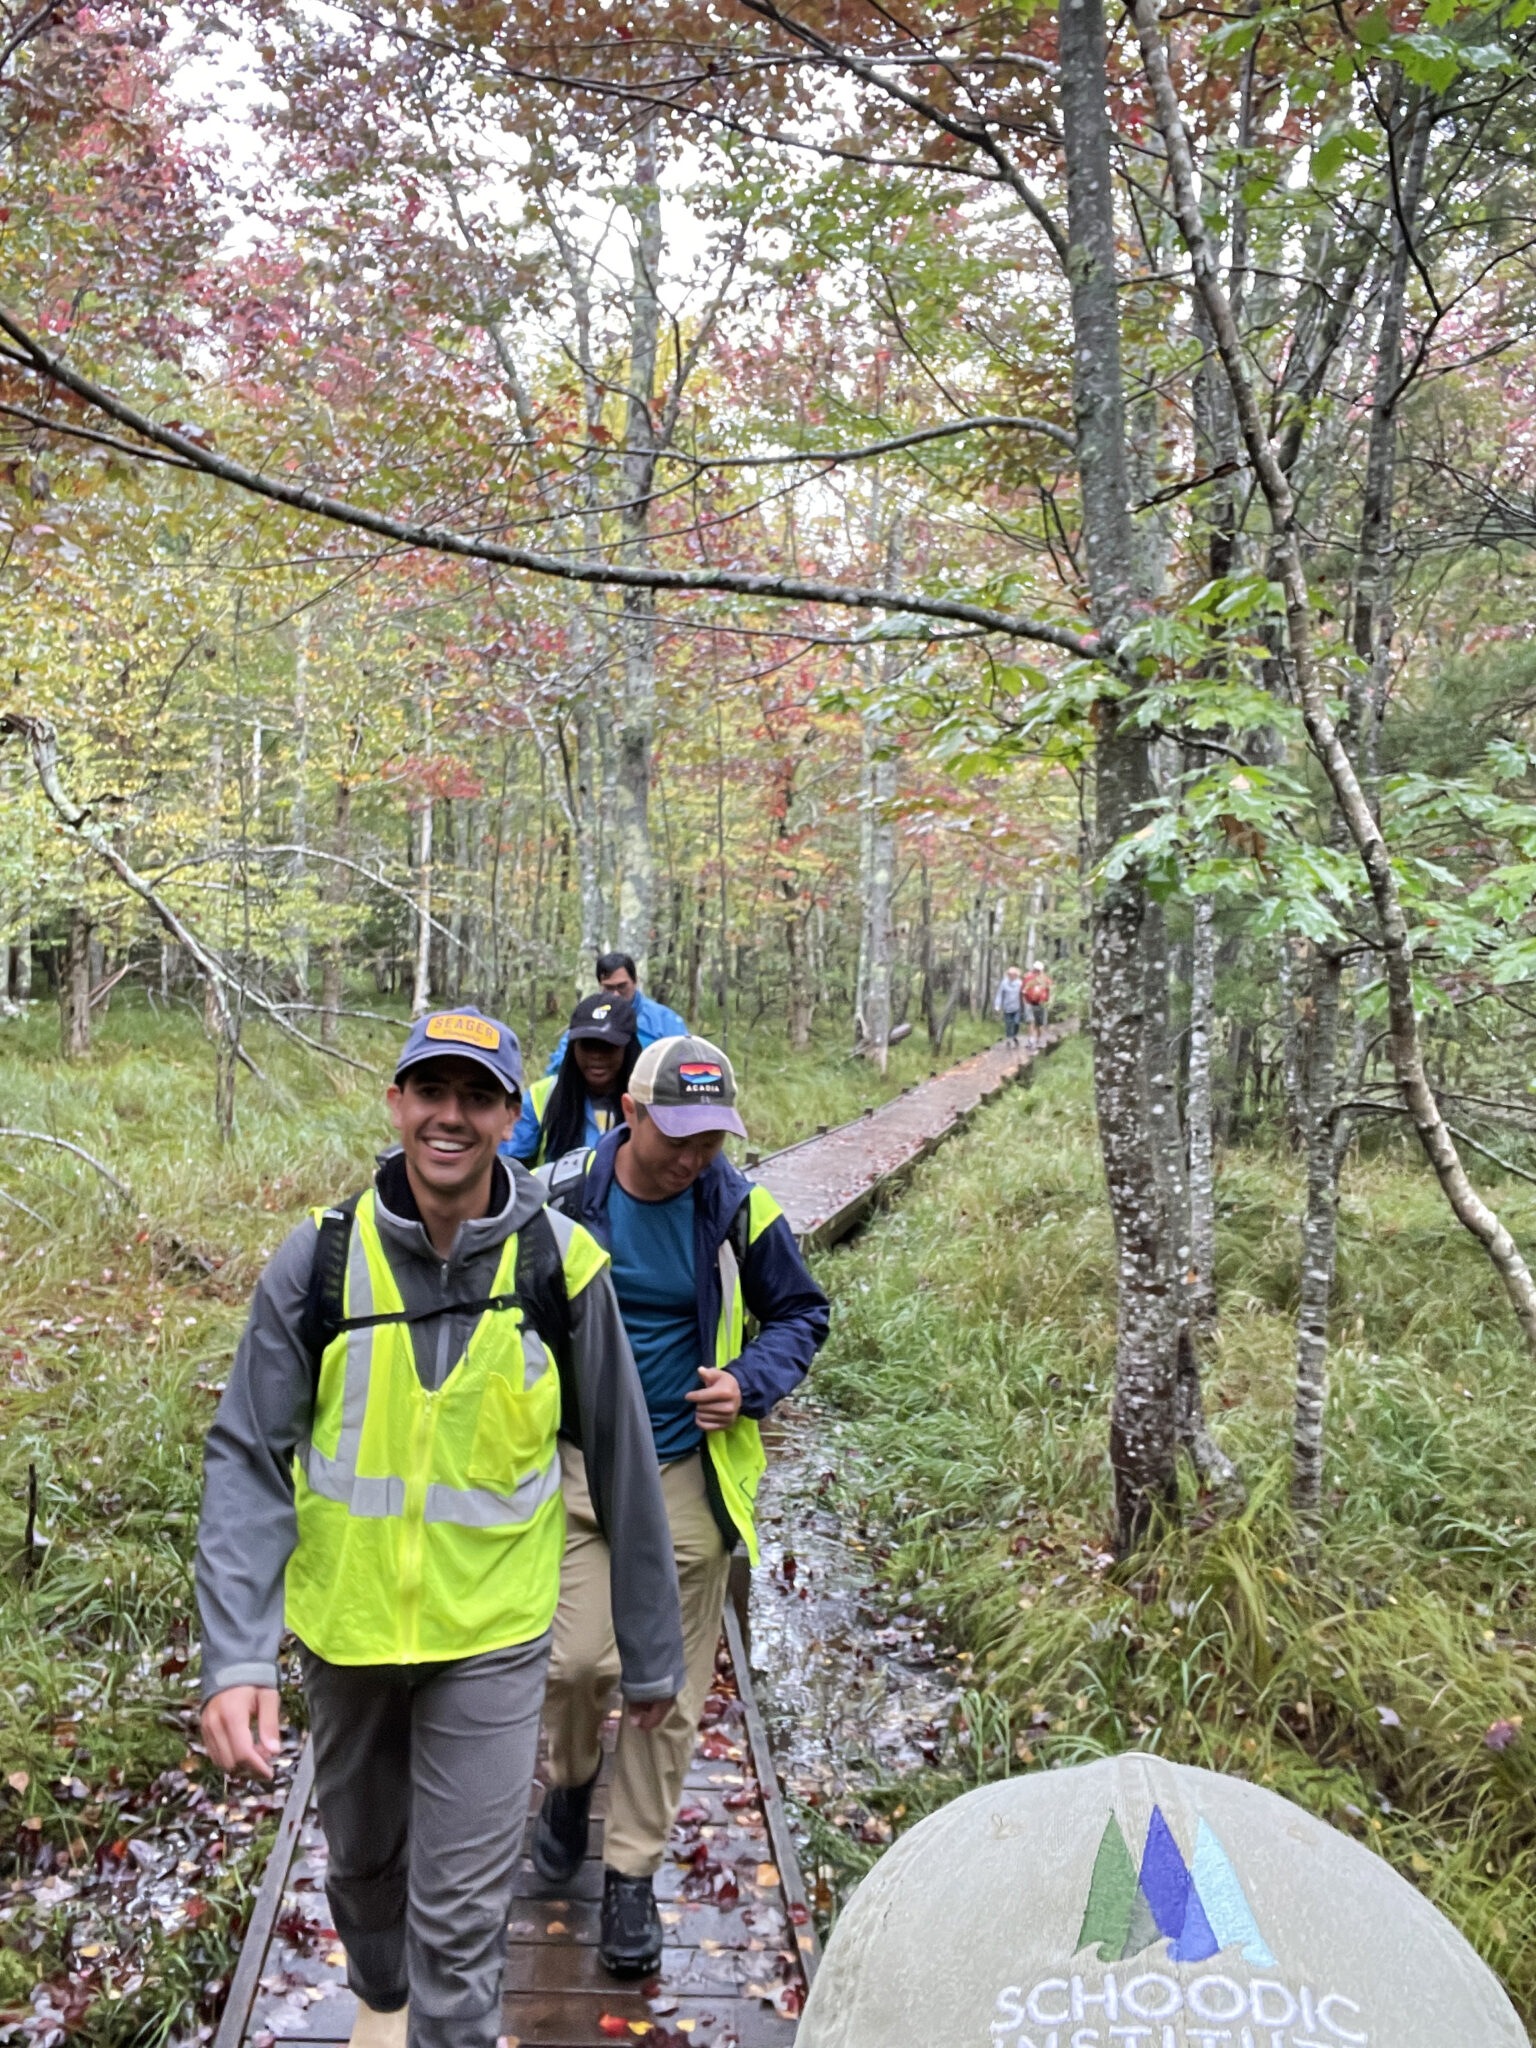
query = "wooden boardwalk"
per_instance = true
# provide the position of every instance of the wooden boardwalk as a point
(740, 1948)
(827, 1184)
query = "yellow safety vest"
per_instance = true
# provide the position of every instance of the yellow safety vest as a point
(430, 1526)
(736, 1455)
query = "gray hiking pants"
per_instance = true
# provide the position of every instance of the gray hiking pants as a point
(422, 1778)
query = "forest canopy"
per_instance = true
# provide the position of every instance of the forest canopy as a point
(828, 502)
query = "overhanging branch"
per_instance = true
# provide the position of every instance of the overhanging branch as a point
(623, 575)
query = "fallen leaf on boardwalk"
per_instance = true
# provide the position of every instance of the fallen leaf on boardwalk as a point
(337, 1958)
(686, 2026)
(788, 2000)
(767, 1874)
(799, 1914)
(639, 2026)
(709, 1946)
(612, 2025)
(557, 1927)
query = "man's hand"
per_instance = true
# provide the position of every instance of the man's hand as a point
(717, 1403)
(648, 1714)
(227, 1729)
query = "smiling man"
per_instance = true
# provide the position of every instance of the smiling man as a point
(383, 1472)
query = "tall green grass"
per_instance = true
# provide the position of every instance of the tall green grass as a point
(972, 1360)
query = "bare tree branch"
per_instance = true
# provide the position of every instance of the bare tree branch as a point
(626, 575)
(124, 1192)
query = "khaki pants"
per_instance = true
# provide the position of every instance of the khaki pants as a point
(584, 1667)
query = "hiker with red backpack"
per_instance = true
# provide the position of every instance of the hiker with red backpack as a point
(1037, 1003)
(383, 1477)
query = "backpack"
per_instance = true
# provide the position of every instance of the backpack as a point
(1037, 989)
(538, 1283)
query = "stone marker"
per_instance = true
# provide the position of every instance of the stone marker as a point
(1134, 1903)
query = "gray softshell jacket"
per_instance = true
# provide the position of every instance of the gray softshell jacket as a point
(249, 1525)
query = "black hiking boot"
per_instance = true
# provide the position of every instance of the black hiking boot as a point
(560, 1832)
(630, 1941)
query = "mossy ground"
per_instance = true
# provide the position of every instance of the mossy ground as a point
(1386, 1682)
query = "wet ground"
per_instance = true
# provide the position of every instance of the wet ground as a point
(854, 1687)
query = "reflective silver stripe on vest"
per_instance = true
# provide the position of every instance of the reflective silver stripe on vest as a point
(730, 1282)
(336, 1478)
(373, 1498)
(476, 1507)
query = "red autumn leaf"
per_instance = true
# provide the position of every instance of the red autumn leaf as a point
(798, 1913)
(610, 2024)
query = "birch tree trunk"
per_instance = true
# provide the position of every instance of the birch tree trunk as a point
(1200, 1116)
(299, 810)
(638, 724)
(335, 896)
(1470, 1210)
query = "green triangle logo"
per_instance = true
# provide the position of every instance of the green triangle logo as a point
(1113, 1896)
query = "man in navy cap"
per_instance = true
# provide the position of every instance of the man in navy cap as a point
(383, 1476)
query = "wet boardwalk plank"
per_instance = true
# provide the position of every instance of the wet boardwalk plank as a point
(739, 1945)
(826, 1184)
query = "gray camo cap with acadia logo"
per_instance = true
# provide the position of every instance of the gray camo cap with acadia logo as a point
(1135, 1903)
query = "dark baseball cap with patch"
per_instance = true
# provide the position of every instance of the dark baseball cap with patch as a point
(466, 1034)
(606, 1018)
(689, 1087)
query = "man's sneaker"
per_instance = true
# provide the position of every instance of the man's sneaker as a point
(630, 1941)
(374, 2029)
(560, 1832)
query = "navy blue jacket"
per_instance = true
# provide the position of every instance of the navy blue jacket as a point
(791, 1311)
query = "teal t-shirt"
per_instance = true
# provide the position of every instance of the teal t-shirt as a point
(652, 1250)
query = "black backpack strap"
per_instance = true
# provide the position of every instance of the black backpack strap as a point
(547, 1308)
(739, 1236)
(564, 1180)
(325, 1304)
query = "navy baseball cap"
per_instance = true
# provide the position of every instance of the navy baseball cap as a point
(605, 1019)
(466, 1034)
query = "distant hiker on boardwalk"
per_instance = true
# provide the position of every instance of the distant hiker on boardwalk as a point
(616, 976)
(1009, 1002)
(382, 1475)
(1037, 1004)
(579, 1102)
(697, 1248)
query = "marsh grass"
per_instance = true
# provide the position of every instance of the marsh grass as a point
(1384, 1680)
(117, 1322)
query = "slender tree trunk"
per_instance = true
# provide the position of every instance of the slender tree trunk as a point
(637, 731)
(335, 895)
(1319, 1237)
(1374, 618)
(421, 978)
(1475, 1215)
(75, 986)
(299, 812)
(1144, 1429)
(1201, 1115)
